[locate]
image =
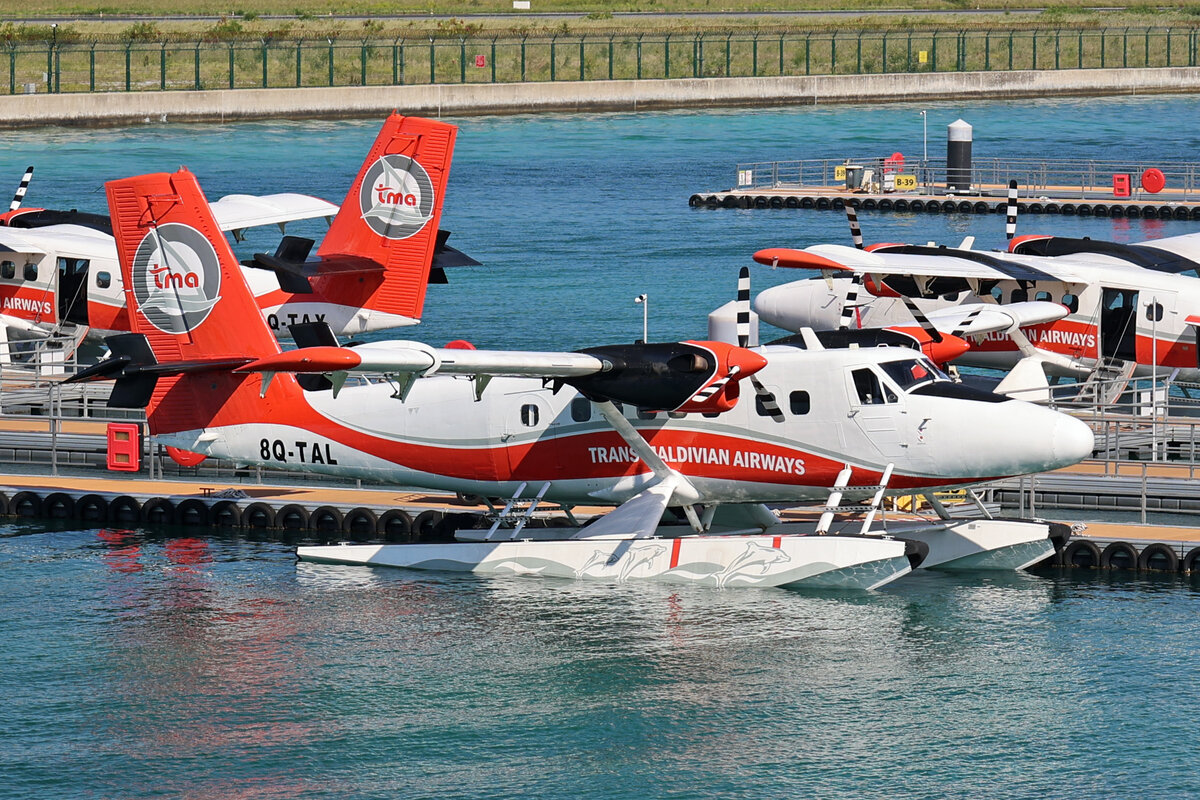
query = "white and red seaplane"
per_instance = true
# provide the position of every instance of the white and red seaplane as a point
(644, 427)
(1098, 311)
(370, 271)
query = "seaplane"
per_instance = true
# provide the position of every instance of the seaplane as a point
(1101, 312)
(654, 429)
(369, 273)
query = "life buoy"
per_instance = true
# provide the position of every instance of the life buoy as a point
(185, 458)
(893, 163)
(1159, 558)
(1119, 555)
(1153, 180)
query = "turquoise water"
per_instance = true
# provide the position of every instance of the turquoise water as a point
(145, 664)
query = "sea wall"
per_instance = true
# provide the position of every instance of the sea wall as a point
(506, 98)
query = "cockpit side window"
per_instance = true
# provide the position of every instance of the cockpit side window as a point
(912, 372)
(870, 391)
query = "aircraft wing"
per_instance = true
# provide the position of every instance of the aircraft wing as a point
(13, 242)
(420, 358)
(918, 261)
(72, 240)
(235, 212)
(976, 319)
(1175, 254)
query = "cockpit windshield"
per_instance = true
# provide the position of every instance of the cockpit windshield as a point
(913, 372)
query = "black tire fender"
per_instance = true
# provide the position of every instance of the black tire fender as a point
(91, 508)
(396, 525)
(225, 514)
(1112, 556)
(124, 509)
(1161, 554)
(26, 504)
(292, 518)
(360, 524)
(158, 511)
(1081, 550)
(192, 512)
(58, 505)
(258, 515)
(326, 519)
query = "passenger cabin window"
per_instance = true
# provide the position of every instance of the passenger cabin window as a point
(799, 402)
(645, 413)
(31, 272)
(103, 280)
(8, 270)
(1019, 296)
(870, 392)
(996, 293)
(710, 414)
(1042, 296)
(1154, 312)
(1071, 302)
(760, 405)
(676, 414)
(581, 409)
(912, 372)
(529, 415)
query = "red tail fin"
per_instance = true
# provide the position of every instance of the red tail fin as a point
(392, 211)
(177, 265)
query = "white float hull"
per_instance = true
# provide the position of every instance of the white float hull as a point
(992, 544)
(841, 562)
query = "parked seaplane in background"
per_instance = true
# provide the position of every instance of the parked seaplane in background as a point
(370, 271)
(1098, 311)
(646, 427)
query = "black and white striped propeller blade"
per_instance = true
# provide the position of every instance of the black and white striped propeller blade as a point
(1010, 226)
(20, 195)
(921, 319)
(743, 308)
(855, 230)
(849, 306)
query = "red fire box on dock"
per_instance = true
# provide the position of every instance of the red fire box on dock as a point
(1121, 184)
(124, 446)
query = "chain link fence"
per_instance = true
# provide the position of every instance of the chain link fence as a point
(162, 66)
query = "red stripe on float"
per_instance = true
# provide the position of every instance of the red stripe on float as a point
(777, 542)
(675, 553)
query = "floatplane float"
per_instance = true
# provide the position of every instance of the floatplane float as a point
(650, 428)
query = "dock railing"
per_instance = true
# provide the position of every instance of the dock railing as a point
(69, 62)
(1037, 179)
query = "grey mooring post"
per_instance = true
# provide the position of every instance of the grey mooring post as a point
(958, 156)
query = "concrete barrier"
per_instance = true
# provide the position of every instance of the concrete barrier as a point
(120, 108)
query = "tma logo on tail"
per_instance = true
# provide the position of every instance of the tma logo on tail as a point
(396, 197)
(176, 277)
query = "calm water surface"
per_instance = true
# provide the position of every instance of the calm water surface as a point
(145, 664)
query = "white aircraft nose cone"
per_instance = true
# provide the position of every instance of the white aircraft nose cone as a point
(1072, 442)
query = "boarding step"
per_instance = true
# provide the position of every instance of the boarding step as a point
(1105, 384)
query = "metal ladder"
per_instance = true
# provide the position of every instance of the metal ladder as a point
(834, 506)
(1107, 381)
(516, 513)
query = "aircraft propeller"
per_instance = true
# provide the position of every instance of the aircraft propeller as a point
(20, 195)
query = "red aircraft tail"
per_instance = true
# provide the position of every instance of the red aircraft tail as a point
(391, 214)
(192, 314)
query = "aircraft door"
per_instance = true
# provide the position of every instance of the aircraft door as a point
(1118, 324)
(72, 290)
(877, 409)
(530, 449)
